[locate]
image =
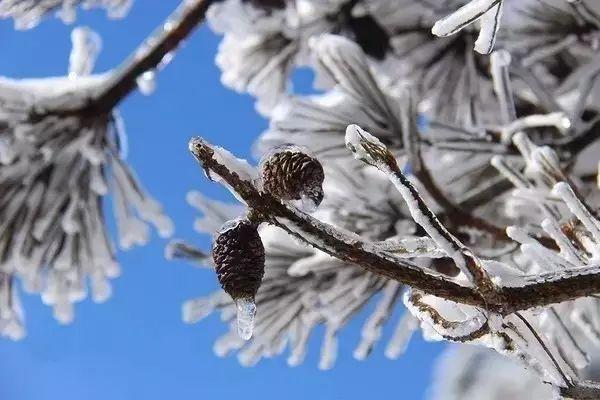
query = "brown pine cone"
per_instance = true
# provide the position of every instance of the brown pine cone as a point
(239, 258)
(290, 174)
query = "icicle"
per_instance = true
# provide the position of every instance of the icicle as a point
(246, 310)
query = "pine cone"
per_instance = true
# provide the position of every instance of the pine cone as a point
(291, 174)
(239, 258)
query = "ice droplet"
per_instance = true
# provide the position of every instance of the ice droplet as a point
(306, 204)
(147, 82)
(246, 310)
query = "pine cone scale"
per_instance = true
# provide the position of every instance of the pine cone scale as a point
(291, 175)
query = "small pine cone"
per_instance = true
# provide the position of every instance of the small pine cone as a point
(290, 174)
(239, 258)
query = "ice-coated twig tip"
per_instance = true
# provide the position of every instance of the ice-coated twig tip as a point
(197, 145)
(368, 149)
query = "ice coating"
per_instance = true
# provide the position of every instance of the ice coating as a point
(487, 12)
(225, 157)
(500, 61)
(329, 349)
(306, 204)
(356, 139)
(245, 311)
(372, 329)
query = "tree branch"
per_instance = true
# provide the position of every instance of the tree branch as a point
(350, 248)
(178, 26)
(147, 57)
(536, 291)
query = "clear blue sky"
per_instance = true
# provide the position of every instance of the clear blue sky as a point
(135, 346)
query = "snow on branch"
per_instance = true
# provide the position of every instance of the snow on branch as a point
(353, 249)
(56, 171)
(62, 150)
(135, 72)
(343, 245)
(370, 150)
(487, 12)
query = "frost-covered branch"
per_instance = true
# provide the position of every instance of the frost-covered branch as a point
(62, 149)
(345, 246)
(488, 12)
(153, 54)
(351, 248)
(370, 150)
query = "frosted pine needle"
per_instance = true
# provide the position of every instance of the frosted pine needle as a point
(28, 13)
(56, 170)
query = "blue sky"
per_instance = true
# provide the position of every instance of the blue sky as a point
(135, 346)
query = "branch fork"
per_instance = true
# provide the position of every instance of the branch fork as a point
(504, 300)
